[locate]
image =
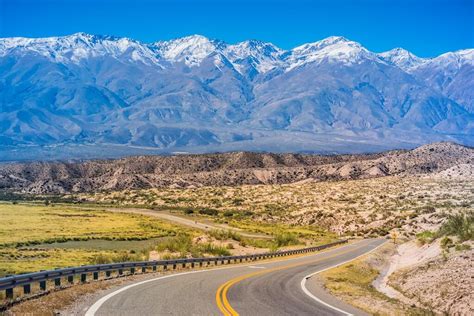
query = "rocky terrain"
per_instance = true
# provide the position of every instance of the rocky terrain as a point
(443, 283)
(228, 169)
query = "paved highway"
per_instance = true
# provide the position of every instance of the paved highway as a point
(275, 287)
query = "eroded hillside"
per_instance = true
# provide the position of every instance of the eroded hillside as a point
(226, 169)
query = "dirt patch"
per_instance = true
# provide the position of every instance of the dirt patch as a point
(353, 283)
(444, 283)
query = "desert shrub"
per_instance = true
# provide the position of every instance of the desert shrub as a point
(257, 243)
(209, 211)
(461, 247)
(188, 211)
(228, 214)
(460, 225)
(425, 237)
(181, 243)
(237, 201)
(286, 239)
(102, 258)
(446, 242)
(221, 234)
(209, 248)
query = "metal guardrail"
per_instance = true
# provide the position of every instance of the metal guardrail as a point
(10, 282)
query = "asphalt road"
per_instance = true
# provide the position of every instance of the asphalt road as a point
(264, 288)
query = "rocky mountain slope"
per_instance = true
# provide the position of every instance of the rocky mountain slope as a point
(224, 169)
(72, 95)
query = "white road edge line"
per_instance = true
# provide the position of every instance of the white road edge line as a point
(95, 307)
(307, 292)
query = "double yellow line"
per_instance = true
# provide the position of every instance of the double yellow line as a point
(221, 293)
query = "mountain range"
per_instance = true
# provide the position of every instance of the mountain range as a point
(229, 169)
(90, 96)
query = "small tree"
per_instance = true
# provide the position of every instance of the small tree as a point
(394, 236)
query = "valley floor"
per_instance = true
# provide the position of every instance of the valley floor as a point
(432, 213)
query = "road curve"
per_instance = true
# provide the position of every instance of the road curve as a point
(265, 288)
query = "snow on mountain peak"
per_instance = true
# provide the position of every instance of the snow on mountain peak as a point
(455, 59)
(79, 46)
(402, 58)
(263, 56)
(190, 49)
(334, 48)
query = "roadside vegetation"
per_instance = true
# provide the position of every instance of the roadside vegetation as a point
(43, 236)
(34, 238)
(454, 232)
(367, 207)
(353, 282)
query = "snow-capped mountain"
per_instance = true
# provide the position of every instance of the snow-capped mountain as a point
(402, 58)
(79, 47)
(335, 49)
(196, 94)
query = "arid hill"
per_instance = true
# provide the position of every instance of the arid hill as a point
(224, 169)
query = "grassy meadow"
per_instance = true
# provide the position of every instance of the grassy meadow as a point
(34, 237)
(37, 237)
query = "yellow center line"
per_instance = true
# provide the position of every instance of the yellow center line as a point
(221, 293)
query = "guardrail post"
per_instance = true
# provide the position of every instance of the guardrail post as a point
(83, 277)
(95, 275)
(57, 282)
(143, 269)
(184, 265)
(132, 270)
(9, 293)
(42, 285)
(120, 271)
(108, 273)
(27, 289)
(154, 268)
(200, 264)
(174, 266)
(165, 267)
(192, 264)
(70, 279)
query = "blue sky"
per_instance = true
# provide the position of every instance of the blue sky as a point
(425, 27)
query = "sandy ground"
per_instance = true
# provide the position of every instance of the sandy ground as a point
(406, 255)
(422, 276)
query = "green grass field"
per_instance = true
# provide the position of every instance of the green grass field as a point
(34, 238)
(37, 237)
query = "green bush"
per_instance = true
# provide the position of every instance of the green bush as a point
(425, 237)
(286, 239)
(103, 258)
(228, 213)
(446, 242)
(209, 248)
(221, 234)
(460, 225)
(208, 211)
(461, 247)
(181, 243)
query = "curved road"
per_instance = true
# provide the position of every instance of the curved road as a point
(275, 287)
